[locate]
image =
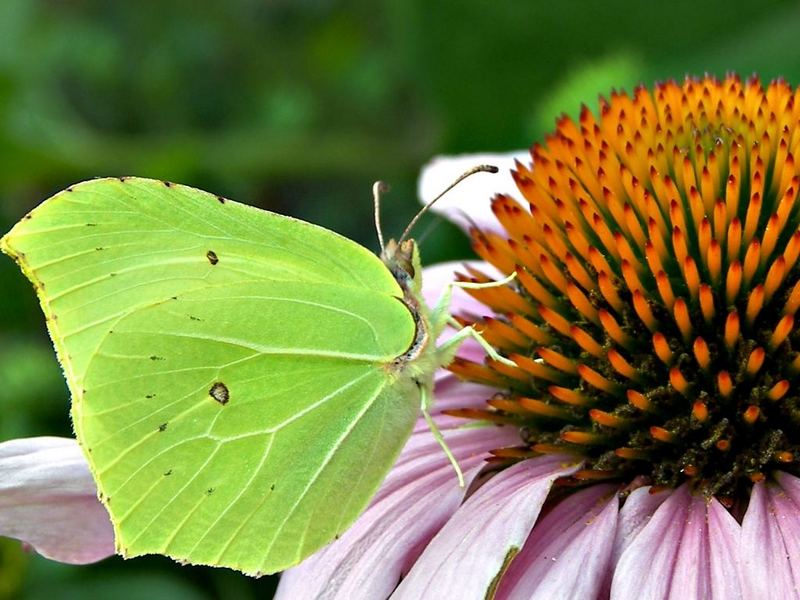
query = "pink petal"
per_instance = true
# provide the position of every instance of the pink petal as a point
(569, 552)
(417, 498)
(48, 500)
(436, 277)
(688, 549)
(635, 514)
(466, 556)
(472, 196)
(771, 540)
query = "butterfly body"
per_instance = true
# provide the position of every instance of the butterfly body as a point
(241, 381)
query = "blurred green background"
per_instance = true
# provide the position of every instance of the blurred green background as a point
(298, 106)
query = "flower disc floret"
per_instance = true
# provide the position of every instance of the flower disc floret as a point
(653, 316)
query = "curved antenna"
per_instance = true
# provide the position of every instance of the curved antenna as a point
(462, 177)
(378, 188)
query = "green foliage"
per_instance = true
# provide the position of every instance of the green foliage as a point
(13, 568)
(615, 71)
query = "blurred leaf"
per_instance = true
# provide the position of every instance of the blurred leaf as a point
(583, 84)
(35, 400)
(13, 567)
(117, 585)
(762, 45)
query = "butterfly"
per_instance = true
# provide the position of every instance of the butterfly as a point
(241, 381)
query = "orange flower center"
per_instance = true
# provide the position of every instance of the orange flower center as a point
(652, 318)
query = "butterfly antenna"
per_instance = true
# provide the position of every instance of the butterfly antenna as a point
(462, 177)
(378, 188)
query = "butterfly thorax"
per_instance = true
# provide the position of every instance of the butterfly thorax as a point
(402, 260)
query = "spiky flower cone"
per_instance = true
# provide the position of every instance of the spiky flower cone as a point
(652, 319)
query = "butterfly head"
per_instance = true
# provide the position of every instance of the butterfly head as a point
(401, 256)
(402, 259)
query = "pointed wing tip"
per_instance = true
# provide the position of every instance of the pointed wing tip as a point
(7, 241)
(5, 244)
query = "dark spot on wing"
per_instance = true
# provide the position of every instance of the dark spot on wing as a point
(122, 179)
(99, 248)
(69, 189)
(28, 216)
(221, 199)
(219, 392)
(91, 224)
(272, 488)
(167, 183)
(168, 473)
(157, 358)
(212, 257)
(148, 396)
(209, 491)
(195, 318)
(162, 427)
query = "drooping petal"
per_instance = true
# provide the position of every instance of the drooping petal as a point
(569, 552)
(635, 514)
(466, 557)
(688, 549)
(48, 500)
(472, 196)
(771, 540)
(419, 495)
(725, 560)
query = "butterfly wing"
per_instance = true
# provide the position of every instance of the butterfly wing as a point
(228, 366)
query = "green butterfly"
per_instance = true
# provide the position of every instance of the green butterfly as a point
(241, 381)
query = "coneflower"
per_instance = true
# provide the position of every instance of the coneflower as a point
(653, 320)
(655, 397)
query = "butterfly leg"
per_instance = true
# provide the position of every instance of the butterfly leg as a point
(440, 317)
(441, 312)
(427, 401)
(447, 350)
